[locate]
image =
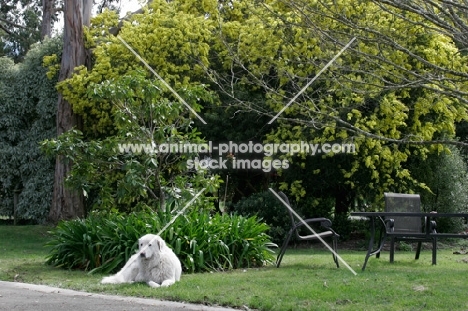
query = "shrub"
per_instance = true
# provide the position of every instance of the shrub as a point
(446, 176)
(203, 242)
(267, 207)
(28, 103)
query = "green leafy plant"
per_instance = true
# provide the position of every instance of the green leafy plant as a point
(269, 209)
(122, 170)
(203, 242)
(27, 116)
(446, 177)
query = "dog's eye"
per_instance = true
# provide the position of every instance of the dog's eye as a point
(149, 245)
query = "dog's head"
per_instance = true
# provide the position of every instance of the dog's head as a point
(150, 245)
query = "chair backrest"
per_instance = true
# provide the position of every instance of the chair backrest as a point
(402, 202)
(285, 199)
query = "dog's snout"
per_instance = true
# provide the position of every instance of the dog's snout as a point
(142, 254)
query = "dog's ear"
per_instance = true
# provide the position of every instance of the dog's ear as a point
(160, 242)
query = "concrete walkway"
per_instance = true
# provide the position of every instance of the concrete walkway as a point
(30, 297)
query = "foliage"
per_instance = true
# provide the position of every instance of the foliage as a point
(129, 170)
(378, 95)
(225, 123)
(203, 242)
(374, 96)
(19, 27)
(446, 175)
(122, 107)
(268, 208)
(27, 116)
(177, 51)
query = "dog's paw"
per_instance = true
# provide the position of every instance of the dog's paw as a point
(108, 280)
(167, 283)
(153, 284)
(114, 279)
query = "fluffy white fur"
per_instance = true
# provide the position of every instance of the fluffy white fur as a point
(154, 263)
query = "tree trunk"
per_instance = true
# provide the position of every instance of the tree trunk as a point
(68, 203)
(47, 11)
(342, 201)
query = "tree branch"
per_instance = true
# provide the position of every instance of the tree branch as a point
(115, 30)
(12, 24)
(6, 30)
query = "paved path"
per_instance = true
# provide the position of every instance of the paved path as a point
(30, 297)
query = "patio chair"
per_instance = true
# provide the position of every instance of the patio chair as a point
(412, 229)
(322, 226)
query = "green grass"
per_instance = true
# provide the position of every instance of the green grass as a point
(307, 279)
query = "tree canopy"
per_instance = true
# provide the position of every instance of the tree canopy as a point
(397, 93)
(27, 116)
(20, 25)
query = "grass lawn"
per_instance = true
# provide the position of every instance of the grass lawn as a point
(307, 279)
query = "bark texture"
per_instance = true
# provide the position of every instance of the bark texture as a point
(68, 203)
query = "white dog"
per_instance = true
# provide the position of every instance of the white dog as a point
(154, 263)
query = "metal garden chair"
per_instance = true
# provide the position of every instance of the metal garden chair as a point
(322, 226)
(407, 228)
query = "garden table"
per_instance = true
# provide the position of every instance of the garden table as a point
(379, 218)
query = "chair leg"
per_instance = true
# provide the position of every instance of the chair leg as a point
(335, 248)
(392, 249)
(434, 251)
(283, 249)
(381, 240)
(418, 250)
